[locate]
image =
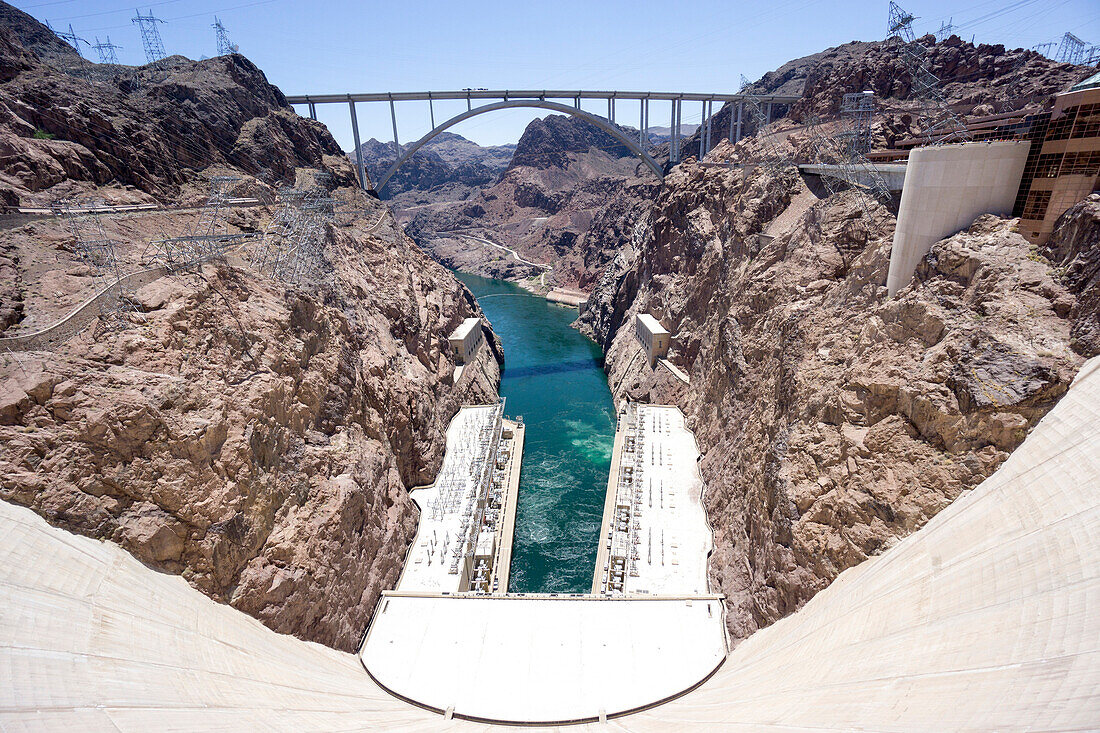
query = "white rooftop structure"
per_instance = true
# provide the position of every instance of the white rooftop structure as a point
(448, 507)
(654, 512)
(466, 338)
(985, 619)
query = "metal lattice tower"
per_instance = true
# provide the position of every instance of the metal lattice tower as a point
(96, 250)
(900, 24)
(106, 51)
(1071, 50)
(150, 36)
(72, 39)
(851, 169)
(771, 159)
(945, 29)
(1044, 48)
(292, 246)
(208, 237)
(937, 122)
(857, 109)
(224, 46)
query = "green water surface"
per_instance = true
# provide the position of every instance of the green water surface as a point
(553, 377)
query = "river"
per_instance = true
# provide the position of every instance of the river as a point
(553, 377)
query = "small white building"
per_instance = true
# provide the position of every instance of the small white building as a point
(654, 337)
(466, 339)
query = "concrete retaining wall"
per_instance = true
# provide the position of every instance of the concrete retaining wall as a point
(946, 188)
(82, 315)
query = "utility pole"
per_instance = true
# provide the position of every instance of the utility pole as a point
(150, 36)
(106, 51)
(225, 47)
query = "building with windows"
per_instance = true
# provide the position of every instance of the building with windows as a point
(1063, 166)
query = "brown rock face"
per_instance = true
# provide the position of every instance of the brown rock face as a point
(257, 439)
(1074, 247)
(568, 196)
(833, 421)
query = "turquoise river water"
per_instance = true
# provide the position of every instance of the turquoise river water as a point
(553, 377)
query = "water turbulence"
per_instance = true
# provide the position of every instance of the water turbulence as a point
(554, 378)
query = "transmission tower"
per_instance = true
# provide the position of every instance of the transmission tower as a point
(945, 29)
(900, 23)
(224, 46)
(771, 159)
(74, 40)
(849, 168)
(106, 51)
(857, 109)
(1044, 48)
(937, 122)
(293, 243)
(150, 36)
(96, 250)
(208, 237)
(1071, 50)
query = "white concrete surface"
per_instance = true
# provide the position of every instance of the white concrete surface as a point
(542, 659)
(946, 188)
(985, 619)
(667, 535)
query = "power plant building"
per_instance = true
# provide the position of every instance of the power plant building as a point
(654, 337)
(466, 339)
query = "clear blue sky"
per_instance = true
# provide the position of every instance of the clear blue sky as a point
(701, 45)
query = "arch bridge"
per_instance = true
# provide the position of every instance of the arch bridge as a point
(481, 101)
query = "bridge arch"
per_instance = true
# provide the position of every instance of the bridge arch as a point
(599, 122)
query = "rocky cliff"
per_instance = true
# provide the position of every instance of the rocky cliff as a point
(833, 420)
(565, 176)
(447, 168)
(256, 437)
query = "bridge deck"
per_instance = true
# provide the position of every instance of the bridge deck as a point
(530, 94)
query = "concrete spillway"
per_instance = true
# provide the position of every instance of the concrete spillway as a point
(985, 618)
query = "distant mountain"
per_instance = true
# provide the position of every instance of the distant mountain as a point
(447, 159)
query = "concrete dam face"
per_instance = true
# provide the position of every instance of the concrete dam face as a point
(978, 620)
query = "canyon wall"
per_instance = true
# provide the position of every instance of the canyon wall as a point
(832, 419)
(255, 437)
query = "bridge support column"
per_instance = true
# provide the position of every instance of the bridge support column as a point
(431, 109)
(645, 121)
(768, 114)
(641, 123)
(703, 131)
(358, 153)
(610, 111)
(312, 111)
(710, 116)
(393, 119)
(740, 113)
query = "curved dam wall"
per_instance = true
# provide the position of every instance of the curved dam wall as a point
(983, 619)
(946, 188)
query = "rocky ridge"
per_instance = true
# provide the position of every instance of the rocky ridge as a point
(68, 126)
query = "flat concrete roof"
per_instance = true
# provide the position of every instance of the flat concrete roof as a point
(442, 506)
(675, 534)
(541, 659)
(651, 323)
(465, 328)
